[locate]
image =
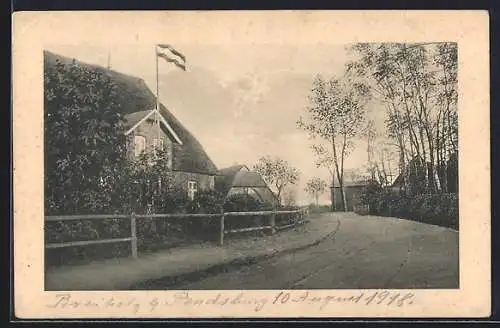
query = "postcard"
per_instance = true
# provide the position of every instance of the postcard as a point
(263, 164)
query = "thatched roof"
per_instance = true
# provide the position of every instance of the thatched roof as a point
(224, 178)
(137, 99)
(353, 183)
(239, 176)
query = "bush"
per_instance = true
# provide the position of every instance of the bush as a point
(70, 231)
(151, 233)
(245, 203)
(438, 209)
(206, 201)
(319, 209)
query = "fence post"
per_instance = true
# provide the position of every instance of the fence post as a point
(221, 232)
(133, 234)
(272, 222)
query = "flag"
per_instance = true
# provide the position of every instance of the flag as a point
(171, 55)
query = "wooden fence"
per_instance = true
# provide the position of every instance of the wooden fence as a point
(271, 225)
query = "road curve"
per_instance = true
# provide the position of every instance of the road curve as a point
(365, 252)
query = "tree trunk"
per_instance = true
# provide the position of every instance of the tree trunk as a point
(332, 193)
(340, 175)
(278, 196)
(424, 160)
(342, 195)
(435, 179)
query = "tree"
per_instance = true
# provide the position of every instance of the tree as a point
(315, 187)
(371, 135)
(289, 197)
(87, 167)
(384, 162)
(84, 140)
(417, 84)
(277, 173)
(335, 116)
(146, 181)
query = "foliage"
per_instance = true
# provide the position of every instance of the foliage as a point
(88, 170)
(289, 198)
(245, 203)
(277, 173)
(335, 116)
(205, 201)
(87, 165)
(315, 187)
(371, 194)
(417, 84)
(151, 233)
(313, 208)
(84, 140)
(438, 209)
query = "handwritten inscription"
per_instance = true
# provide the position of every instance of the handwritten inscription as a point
(256, 303)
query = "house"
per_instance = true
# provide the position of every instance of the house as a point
(353, 191)
(147, 130)
(239, 179)
(447, 174)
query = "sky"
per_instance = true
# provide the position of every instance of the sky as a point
(242, 101)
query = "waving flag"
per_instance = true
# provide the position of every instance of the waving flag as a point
(171, 55)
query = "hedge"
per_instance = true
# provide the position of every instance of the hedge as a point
(438, 209)
(153, 234)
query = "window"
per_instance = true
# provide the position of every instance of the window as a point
(157, 146)
(169, 153)
(139, 145)
(212, 182)
(192, 189)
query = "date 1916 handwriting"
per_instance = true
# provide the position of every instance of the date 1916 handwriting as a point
(256, 303)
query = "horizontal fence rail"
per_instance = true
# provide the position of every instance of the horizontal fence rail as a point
(85, 217)
(88, 242)
(269, 225)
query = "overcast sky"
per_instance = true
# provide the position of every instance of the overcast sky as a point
(240, 101)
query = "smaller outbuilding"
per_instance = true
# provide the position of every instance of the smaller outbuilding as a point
(353, 191)
(239, 179)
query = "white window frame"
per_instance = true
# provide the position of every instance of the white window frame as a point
(192, 189)
(158, 144)
(137, 150)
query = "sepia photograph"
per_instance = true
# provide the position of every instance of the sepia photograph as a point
(252, 164)
(335, 167)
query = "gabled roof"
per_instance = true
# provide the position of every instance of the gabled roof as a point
(239, 176)
(224, 178)
(135, 119)
(135, 97)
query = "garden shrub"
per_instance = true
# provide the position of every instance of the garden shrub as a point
(152, 233)
(319, 209)
(438, 209)
(245, 203)
(70, 231)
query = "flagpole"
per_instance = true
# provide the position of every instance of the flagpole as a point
(157, 84)
(157, 96)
